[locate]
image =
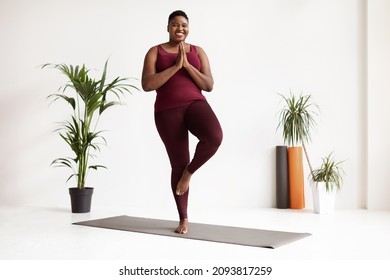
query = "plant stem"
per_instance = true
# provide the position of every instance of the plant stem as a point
(307, 158)
(304, 149)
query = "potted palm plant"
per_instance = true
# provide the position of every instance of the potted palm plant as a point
(88, 99)
(296, 119)
(326, 181)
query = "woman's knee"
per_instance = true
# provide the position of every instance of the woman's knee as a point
(215, 139)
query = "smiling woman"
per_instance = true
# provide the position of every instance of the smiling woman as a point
(179, 72)
(178, 27)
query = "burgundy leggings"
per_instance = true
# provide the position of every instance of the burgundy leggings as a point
(173, 126)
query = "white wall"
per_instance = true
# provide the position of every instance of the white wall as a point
(378, 85)
(256, 48)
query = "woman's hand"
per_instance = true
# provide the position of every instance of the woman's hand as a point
(183, 54)
(203, 77)
(181, 60)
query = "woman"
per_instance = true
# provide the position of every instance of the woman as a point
(179, 72)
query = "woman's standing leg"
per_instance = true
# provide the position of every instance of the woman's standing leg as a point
(174, 134)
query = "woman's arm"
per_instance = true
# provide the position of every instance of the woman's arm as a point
(151, 80)
(203, 78)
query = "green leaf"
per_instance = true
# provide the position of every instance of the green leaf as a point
(97, 166)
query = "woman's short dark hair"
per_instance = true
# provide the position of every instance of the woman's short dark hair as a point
(177, 13)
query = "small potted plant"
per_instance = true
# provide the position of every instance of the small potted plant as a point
(88, 99)
(326, 181)
(297, 120)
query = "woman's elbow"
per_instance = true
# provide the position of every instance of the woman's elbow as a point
(209, 86)
(146, 89)
(146, 86)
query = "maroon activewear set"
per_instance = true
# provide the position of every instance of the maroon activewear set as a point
(180, 108)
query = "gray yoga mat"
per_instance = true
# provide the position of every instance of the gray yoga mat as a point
(215, 233)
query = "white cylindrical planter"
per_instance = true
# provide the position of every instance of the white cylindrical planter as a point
(323, 201)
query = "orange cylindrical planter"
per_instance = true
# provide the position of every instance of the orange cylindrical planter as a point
(295, 171)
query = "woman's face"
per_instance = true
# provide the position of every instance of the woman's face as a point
(178, 29)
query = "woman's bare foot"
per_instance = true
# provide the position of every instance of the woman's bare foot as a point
(184, 183)
(183, 226)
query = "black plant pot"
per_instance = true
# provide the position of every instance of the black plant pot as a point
(81, 199)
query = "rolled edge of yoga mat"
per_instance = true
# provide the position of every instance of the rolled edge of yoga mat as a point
(282, 185)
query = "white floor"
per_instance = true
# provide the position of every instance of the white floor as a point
(38, 233)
